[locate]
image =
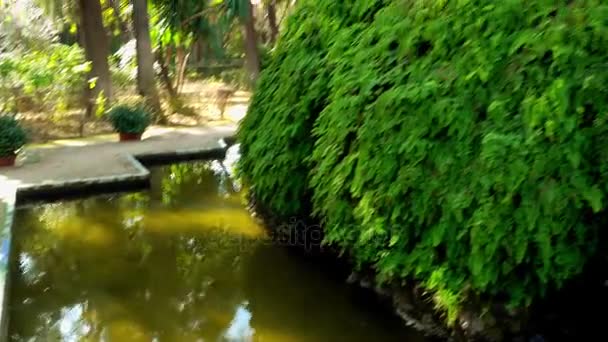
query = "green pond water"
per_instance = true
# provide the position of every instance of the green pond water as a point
(183, 261)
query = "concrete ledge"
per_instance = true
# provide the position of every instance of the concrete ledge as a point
(182, 155)
(50, 190)
(12, 193)
(8, 191)
(230, 140)
(140, 179)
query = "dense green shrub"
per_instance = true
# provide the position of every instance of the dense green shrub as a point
(129, 118)
(12, 136)
(276, 134)
(460, 143)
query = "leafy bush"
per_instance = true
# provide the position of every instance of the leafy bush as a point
(12, 136)
(276, 134)
(51, 78)
(129, 118)
(460, 143)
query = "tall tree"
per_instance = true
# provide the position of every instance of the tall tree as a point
(271, 12)
(252, 54)
(96, 49)
(125, 31)
(146, 82)
(179, 24)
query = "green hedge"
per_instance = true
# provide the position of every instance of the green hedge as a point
(460, 143)
(276, 135)
(12, 136)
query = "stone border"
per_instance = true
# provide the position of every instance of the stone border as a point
(182, 155)
(11, 194)
(139, 179)
(59, 188)
(8, 192)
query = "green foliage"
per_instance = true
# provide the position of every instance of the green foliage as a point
(181, 22)
(183, 16)
(275, 135)
(239, 77)
(51, 77)
(12, 136)
(129, 118)
(469, 137)
(24, 25)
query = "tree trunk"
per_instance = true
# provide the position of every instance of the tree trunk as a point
(180, 59)
(126, 34)
(181, 77)
(164, 72)
(87, 99)
(96, 49)
(146, 81)
(252, 57)
(197, 53)
(271, 10)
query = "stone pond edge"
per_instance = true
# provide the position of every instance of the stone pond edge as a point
(11, 194)
(8, 192)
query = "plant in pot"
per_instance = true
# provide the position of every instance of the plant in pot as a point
(12, 139)
(129, 121)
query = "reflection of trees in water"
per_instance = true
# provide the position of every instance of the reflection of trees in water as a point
(192, 184)
(99, 250)
(161, 264)
(144, 265)
(309, 304)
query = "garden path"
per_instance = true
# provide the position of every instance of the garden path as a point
(99, 158)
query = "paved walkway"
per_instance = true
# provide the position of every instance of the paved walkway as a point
(101, 157)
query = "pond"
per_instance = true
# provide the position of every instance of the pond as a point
(182, 261)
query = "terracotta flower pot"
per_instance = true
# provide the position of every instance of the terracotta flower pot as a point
(130, 136)
(8, 160)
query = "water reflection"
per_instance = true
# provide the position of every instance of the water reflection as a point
(71, 325)
(181, 262)
(240, 328)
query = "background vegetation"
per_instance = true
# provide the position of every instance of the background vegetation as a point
(58, 58)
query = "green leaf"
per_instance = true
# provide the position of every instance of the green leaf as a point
(594, 196)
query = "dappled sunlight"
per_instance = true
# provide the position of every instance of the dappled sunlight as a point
(81, 230)
(127, 330)
(71, 325)
(87, 232)
(77, 142)
(236, 112)
(225, 220)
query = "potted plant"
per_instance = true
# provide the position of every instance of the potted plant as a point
(129, 121)
(12, 139)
